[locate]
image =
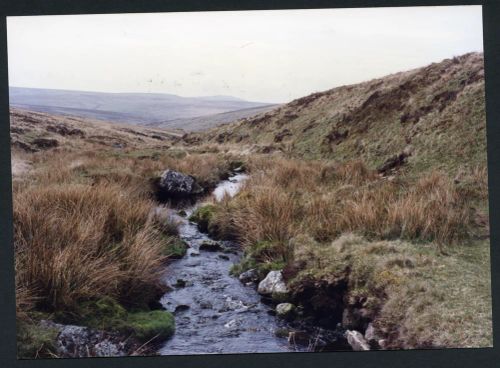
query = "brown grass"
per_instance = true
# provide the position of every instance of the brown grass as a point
(286, 197)
(77, 242)
(409, 256)
(84, 228)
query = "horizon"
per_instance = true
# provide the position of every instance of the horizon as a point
(269, 57)
(230, 96)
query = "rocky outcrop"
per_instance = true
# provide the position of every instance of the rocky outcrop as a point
(173, 184)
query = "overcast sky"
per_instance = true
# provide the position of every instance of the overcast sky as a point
(271, 56)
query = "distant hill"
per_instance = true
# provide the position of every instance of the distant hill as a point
(436, 112)
(32, 131)
(200, 123)
(130, 108)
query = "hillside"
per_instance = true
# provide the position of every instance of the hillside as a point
(131, 108)
(359, 211)
(205, 122)
(37, 132)
(436, 113)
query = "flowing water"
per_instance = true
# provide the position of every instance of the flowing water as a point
(214, 312)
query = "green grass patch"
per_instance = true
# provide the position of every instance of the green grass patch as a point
(108, 315)
(202, 216)
(34, 341)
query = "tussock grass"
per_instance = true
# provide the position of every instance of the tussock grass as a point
(286, 197)
(77, 242)
(84, 226)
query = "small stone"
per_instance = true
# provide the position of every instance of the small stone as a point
(181, 308)
(370, 333)
(180, 283)
(232, 324)
(223, 256)
(249, 276)
(357, 341)
(210, 246)
(205, 305)
(285, 310)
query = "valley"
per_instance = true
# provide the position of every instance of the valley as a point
(354, 219)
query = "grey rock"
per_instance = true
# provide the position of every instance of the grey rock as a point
(370, 333)
(249, 276)
(176, 184)
(181, 308)
(273, 284)
(77, 341)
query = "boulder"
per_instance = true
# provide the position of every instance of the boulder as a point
(175, 184)
(357, 341)
(273, 285)
(285, 310)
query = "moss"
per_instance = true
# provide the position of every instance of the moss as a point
(103, 314)
(145, 326)
(202, 216)
(262, 256)
(175, 248)
(108, 315)
(34, 341)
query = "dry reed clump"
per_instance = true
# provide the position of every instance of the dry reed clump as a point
(76, 242)
(267, 214)
(433, 209)
(84, 230)
(325, 200)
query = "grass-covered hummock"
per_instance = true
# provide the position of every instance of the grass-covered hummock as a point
(413, 267)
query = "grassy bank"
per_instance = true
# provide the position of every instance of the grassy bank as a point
(404, 253)
(90, 249)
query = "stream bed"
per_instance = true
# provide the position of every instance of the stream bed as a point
(214, 312)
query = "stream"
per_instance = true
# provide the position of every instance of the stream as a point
(214, 312)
